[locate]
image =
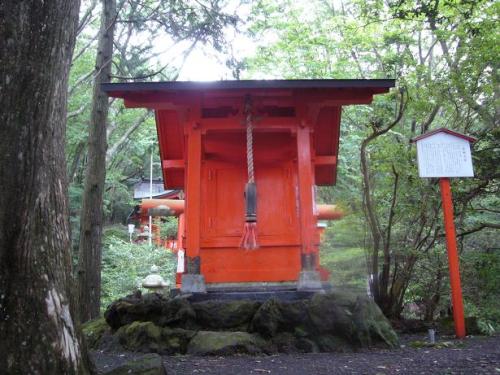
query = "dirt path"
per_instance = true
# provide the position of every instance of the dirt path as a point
(477, 355)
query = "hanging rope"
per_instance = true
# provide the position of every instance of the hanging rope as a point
(249, 238)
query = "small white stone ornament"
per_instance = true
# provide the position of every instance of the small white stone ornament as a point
(154, 281)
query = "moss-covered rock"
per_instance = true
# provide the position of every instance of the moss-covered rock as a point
(326, 322)
(148, 337)
(332, 313)
(267, 319)
(371, 324)
(220, 315)
(94, 330)
(275, 316)
(148, 364)
(150, 307)
(357, 319)
(284, 342)
(330, 343)
(223, 343)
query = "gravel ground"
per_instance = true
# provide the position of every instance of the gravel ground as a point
(475, 355)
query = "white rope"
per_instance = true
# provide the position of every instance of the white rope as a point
(249, 126)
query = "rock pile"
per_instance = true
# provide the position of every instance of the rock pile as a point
(155, 323)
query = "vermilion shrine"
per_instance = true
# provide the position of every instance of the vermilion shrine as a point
(271, 140)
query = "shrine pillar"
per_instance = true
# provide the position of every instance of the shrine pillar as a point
(309, 277)
(193, 281)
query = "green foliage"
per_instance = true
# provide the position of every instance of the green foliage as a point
(168, 227)
(347, 267)
(444, 56)
(481, 278)
(124, 265)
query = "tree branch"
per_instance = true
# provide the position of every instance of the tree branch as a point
(479, 228)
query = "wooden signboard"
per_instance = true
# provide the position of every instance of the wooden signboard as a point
(444, 155)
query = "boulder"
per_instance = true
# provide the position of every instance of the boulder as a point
(275, 316)
(93, 331)
(332, 313)
(357, 319)
(148, 364)
(330, 343)
(148, 337)
(224, 343)
(371, 325)
(284, 342)
(220, 315)
(327, 322)
(150, 307)
(267, 319)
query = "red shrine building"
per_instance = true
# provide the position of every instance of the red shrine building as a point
(248, 155)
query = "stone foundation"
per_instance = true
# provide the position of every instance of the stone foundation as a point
(155, 323)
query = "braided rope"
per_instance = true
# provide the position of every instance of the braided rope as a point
(249, 126)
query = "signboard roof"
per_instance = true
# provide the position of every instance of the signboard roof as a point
(444, 130)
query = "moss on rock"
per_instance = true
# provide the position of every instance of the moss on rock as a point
(371, 324)
(326, 322)
(148, 337)
(220, 315)
(150, 307)
(94, 330)
(223, 343)
(267, 319)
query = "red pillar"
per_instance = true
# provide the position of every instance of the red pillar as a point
(305, 182)
(180, 232)
(451, 246)
(193, 199)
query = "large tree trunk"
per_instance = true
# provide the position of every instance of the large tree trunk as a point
(38, 334)
(89, 252)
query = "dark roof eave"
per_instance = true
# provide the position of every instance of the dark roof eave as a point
(250, 84)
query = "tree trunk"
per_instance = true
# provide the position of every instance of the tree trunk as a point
(89, 252)
(38, 334)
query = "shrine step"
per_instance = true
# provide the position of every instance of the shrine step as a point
(262, 293)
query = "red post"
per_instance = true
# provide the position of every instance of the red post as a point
(193, 193)
(305, 182)
(451, 246)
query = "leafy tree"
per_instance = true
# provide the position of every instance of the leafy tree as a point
(444, 57)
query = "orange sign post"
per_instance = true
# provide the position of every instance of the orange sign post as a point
(453, 263)
(443, 153)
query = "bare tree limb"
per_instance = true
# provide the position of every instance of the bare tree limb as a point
(86, 18)
(79, 81)
(123, 139)
(479, 228)
(76, 112)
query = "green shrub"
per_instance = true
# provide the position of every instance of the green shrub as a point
(124, 266)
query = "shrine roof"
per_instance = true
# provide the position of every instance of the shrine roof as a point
(117, 88)
(142, 190)
(218, 102)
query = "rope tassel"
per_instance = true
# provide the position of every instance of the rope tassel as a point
(249, 238)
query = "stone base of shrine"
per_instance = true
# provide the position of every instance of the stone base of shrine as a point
(192, 283)
(316, 322)
(310, 281)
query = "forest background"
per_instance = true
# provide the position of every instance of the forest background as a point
(444, 56)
